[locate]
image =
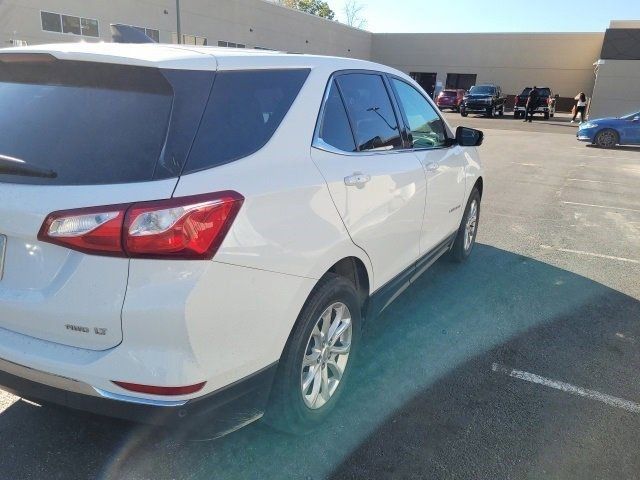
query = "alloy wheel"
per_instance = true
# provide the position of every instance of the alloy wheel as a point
(470, 226)
(326, 355)
(606, 139)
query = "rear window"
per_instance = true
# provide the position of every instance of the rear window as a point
(244, 111)
(449, 93)
(482, 90)
(91, 123)
(543, 92)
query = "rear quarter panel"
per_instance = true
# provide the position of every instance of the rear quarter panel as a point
(232, 316)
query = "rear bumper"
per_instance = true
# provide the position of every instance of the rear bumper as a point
(544, 109)
(222, 411)
(477, 107)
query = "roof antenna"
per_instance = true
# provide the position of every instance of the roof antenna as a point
(127, 34)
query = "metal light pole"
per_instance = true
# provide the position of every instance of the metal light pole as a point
(179, 32)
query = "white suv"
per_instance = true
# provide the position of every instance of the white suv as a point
(198, 234)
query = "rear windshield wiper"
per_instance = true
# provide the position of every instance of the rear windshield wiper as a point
(15, 166)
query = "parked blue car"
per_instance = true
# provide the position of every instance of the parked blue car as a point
(612, 131)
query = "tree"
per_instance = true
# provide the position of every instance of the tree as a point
(353, 14)
(314, 7)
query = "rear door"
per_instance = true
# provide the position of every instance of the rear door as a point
(630, 130)
(103, 130)
(376, 184)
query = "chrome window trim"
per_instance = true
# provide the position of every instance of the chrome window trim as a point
(319, 144)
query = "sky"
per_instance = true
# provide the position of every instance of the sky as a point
(492, 15)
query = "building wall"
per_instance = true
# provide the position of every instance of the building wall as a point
(617, 89)
(249, 22)
(562, 61)
(624, 24)
(259, 23)
(20, 19)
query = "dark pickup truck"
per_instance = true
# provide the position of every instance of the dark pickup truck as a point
(546, 103)
(485, 99)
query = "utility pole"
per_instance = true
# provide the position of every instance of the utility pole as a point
(179, 30)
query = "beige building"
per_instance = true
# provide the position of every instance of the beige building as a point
(562, 61)
(566, 62)
(617, 86)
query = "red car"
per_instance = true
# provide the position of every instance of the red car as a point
(450, 98)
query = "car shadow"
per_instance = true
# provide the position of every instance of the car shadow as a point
(422, 400)
(619, 148)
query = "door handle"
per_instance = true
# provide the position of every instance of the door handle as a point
(432, 167)
(357, 180)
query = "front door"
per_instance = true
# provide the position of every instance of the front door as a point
(378, 189)
(631, 131)
(444, 166)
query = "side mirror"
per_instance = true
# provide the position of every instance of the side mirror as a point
(469, 137)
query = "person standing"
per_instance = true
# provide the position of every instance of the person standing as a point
(580, 108)
(532, 104)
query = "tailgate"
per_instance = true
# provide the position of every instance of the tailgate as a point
(106, 131)
(54, 293)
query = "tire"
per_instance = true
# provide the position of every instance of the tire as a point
(463, 113)
(516, 115)
(607, 138)
(491, 111)
(461, 250)
(546, 115)
(502, 111)
(288, 409)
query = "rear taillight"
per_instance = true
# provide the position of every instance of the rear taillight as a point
(90, 230)
(184, 227)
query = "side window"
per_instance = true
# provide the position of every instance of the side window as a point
(427, 128)
(369, 108)
(334, 126)
(244, 110)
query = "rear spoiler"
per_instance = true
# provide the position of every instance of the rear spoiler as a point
(127, 34)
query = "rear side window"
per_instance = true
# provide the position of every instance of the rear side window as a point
(91, 123)
(369, 108)
(334, 127)
(244, 110)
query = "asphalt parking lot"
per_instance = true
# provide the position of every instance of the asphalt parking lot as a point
(521, 363)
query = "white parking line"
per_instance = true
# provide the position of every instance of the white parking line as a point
(597, 181)
(507, 215)
(568, 388)
(605, 157)
(590, 254)
(526, 164)
(602, 206)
